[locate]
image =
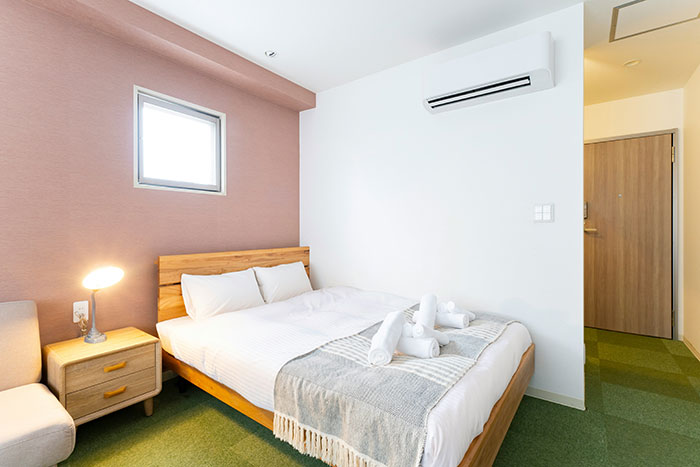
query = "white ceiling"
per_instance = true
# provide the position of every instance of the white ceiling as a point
(321, 44)
(668, 56)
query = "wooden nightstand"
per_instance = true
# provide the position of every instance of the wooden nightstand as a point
(92, 380)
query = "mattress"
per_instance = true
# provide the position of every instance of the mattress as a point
(245, 350)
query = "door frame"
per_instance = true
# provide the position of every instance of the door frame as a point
(675, 213)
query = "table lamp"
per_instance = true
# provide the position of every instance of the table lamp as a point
(95, 281)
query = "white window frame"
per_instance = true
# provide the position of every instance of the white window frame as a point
(142, 94)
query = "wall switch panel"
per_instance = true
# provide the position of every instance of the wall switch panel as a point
(80, 310)
(544, 213)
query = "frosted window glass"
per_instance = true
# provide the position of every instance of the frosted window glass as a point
(179, 147)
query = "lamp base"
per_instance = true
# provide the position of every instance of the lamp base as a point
(95, 337)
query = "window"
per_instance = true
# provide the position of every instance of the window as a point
(179, 145)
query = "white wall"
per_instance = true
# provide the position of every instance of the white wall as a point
(644, 114)
(641, 114)
(691, 209)
(396, 199)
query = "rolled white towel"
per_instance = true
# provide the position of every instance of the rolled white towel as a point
(421, 331)
(385, 340)
(452, 320)
(419, 347)
(451, 307)
(426, 312)
(407, 330)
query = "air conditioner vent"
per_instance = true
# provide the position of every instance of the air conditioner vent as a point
(480, 91)
(519, 67)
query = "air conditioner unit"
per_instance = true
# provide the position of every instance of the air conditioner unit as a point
(519, 67)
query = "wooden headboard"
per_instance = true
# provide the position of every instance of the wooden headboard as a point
(170, 268)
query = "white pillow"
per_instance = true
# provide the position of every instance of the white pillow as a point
(207, 296)
(282, 282)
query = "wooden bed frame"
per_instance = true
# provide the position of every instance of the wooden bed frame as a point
(481, 452)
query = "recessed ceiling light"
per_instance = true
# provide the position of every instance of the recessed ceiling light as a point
(631, 63)
(270, 53)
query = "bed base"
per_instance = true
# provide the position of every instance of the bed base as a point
(482, 451)
(224, 393)
(484, 448)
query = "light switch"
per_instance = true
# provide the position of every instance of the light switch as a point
(544, 213)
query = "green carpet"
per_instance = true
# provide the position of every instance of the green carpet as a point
(643, 401)
(642, 394)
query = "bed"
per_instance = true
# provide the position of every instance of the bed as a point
(496, 383)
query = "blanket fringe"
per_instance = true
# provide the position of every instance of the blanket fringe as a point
(329, 449)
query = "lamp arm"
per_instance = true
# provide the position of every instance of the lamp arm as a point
(94, 336)
(94, 315)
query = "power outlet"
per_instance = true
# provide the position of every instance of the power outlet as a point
(80, 310)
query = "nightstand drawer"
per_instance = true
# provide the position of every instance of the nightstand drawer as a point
(94, 398)
(98, 370)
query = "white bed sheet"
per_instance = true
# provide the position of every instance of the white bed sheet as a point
(225, 349)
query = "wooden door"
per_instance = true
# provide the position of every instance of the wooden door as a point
(628, 235)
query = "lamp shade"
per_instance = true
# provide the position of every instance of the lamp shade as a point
(103, 277)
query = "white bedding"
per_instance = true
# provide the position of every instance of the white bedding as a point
(245, 350)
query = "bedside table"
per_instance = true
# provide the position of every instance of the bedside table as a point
(92, 380)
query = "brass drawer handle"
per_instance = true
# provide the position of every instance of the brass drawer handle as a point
(117, 366)
(116, 392)
(590, 230)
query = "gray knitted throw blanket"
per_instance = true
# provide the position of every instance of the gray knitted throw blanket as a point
(332, 405)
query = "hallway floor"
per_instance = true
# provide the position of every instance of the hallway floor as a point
(643, 409)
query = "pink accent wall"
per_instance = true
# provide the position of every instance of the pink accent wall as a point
(137, 26)
(67, 200)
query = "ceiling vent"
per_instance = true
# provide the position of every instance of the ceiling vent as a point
(642, 16)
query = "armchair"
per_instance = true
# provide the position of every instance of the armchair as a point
(36, 430)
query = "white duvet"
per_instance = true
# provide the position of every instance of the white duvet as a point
(245, 350)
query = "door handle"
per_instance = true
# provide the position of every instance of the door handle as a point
(589, 230)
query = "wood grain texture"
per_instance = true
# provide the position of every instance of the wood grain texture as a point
(101, 369)
(170, 302)
(75, 372)
(482, 451)
(107, 394)
(141, 397)
(484, 448)
(171, 268)
(77, 350)
(218, 390)
(628, 259)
